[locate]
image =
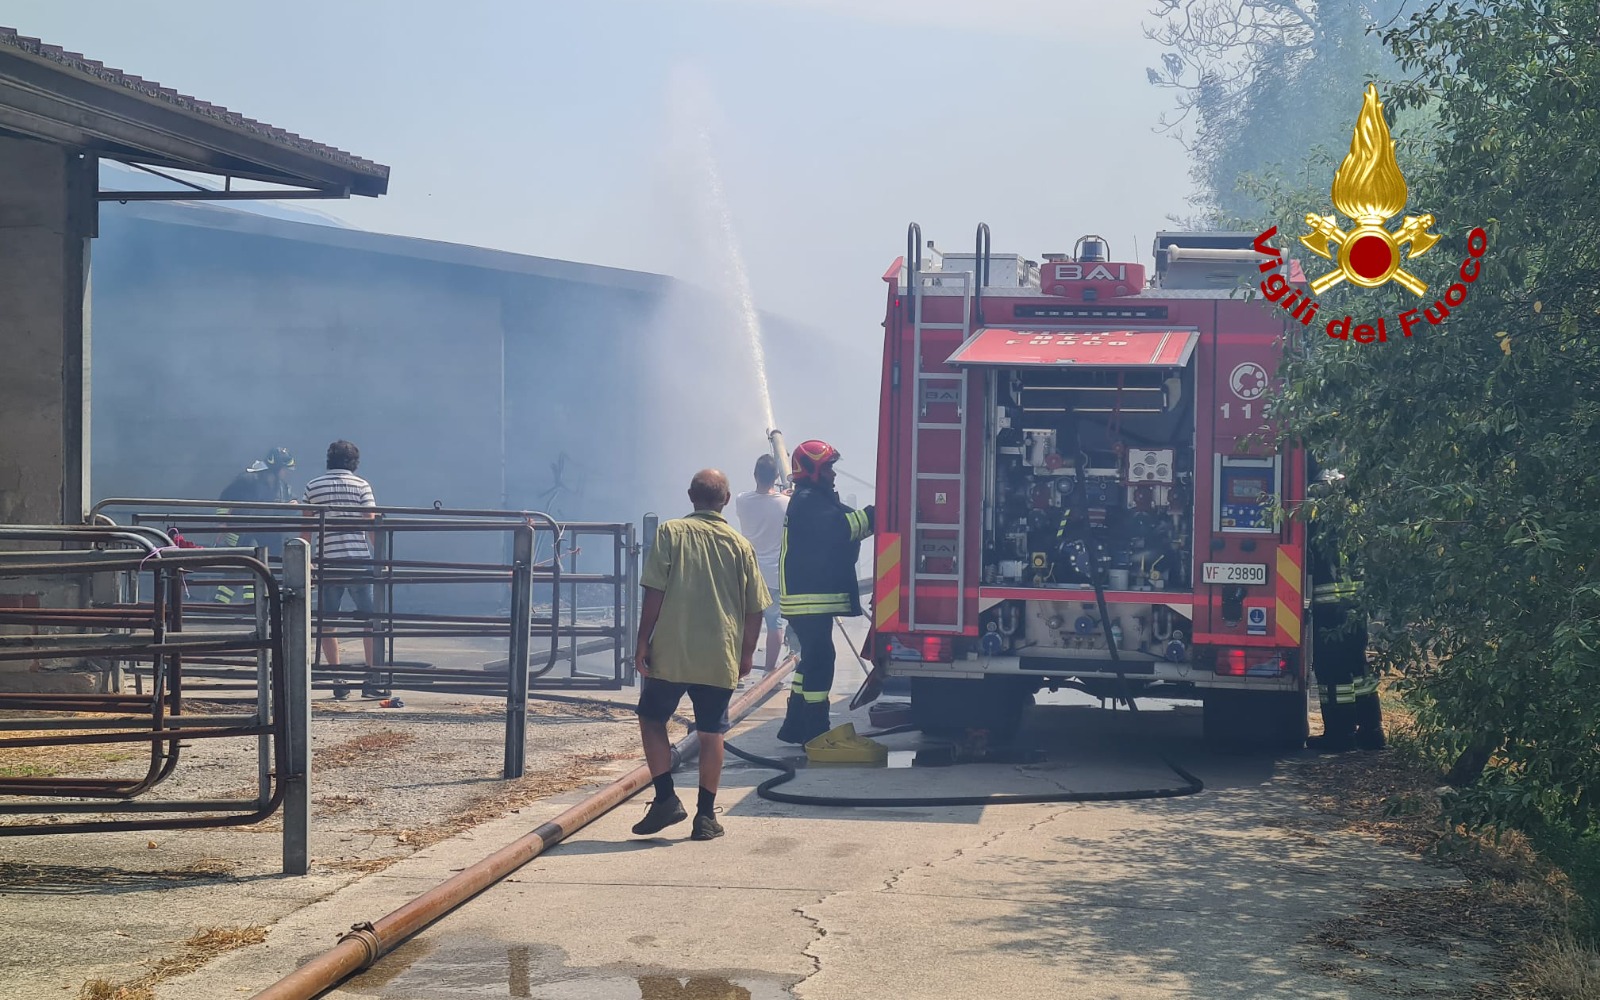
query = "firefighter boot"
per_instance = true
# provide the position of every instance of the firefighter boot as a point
(793, 720)
(1338, 726)
(1369, 723)
(813, 721)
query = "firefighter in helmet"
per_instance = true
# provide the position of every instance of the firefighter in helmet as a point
(817, 572)
(265, 481)
(1347, 684)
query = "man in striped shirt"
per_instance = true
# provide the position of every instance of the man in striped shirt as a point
(345, 554)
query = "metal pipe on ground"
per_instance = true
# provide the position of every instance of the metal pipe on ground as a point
(365, 943)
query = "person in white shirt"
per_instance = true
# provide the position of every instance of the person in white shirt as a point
(761, 513)
(344, 557)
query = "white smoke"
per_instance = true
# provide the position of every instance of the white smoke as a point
(711, 402)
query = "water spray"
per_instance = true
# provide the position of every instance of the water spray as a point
(734, 266)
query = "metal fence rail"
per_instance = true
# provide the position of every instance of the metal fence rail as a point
(585, 603)
(153, 634)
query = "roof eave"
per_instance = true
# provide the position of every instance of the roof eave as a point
(51, 100)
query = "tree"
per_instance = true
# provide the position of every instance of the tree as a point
(1474, 500)
(1258, 86)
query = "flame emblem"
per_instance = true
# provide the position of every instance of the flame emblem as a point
(1369, 188)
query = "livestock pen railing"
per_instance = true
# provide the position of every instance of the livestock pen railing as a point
(441, 580)
(59, 625)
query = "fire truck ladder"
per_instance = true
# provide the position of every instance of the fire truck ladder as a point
(931, 383)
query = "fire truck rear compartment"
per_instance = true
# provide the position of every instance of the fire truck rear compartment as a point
(1091, 470)
(1086, 432)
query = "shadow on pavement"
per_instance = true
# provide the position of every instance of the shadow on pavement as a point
(27, 878)
(1189, 896)
(574, 847)
(1082, 749)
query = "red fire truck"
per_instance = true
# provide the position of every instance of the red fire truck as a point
(1076, 486)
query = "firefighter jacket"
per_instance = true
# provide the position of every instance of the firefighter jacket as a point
(1331, 584)
(1338, 628)
(817, 563)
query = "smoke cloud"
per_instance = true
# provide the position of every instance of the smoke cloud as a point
(709, 403)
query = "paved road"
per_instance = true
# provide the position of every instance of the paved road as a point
(1214, 895)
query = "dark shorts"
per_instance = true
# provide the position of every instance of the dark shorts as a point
(343, 577)
(658, 699)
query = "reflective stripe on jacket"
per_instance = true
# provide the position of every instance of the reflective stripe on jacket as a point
(1335, 593)
(1346, 694)
(821, 544)
(1331, 582)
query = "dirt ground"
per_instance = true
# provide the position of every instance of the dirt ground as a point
(109, 916)
(95, 913)
(1514, 914)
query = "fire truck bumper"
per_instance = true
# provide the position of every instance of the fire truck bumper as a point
(1136, 667)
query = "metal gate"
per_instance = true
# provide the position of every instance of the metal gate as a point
(441, 580)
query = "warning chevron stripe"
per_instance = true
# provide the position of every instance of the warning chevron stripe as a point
(1291, 585)
(886, 589)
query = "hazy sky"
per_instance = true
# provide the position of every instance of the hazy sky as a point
(541, 127)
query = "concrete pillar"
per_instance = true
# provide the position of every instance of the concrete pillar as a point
(47, 217)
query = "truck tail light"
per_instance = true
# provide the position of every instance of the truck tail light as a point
(1251, 663)
(925, 648)
(1230, 662)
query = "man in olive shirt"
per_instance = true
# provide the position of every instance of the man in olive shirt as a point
(703, 604)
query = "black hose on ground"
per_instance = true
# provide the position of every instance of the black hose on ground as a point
(767, 790)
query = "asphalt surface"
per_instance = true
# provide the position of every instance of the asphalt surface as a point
(1219, 894)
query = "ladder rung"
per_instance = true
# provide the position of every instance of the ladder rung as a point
(940, 427)
(934, 576)
(939, 475)
(944, 326)
(937, 526)
(947, 376)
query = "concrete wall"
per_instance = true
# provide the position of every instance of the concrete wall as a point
(218, 341)
(218, 347)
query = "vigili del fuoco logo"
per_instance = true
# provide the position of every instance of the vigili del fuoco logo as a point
(1369, 189)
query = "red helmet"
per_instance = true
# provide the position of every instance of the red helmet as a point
(810, 458)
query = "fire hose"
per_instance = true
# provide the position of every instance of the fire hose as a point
(766, 790)
(366, 942)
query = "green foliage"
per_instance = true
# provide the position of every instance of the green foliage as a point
(1472, 498)
(1265, 89)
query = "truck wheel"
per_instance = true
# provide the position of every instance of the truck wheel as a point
(944, 706)
(1272, 721)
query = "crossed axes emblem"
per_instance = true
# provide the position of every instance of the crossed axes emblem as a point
(1413, 230)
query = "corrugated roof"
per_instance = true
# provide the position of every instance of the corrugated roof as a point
(75, 64)
(229, 219)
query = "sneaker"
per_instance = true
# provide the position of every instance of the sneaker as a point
(662, 814)
(706, 827)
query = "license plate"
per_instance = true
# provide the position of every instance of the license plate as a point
(1246, 573)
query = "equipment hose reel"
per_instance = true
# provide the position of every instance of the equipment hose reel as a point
(1096, 572)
